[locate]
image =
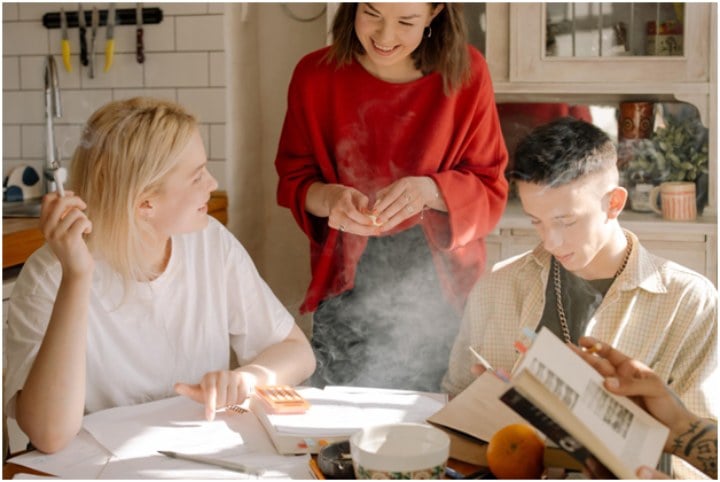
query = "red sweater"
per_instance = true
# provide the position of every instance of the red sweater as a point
(345, 126)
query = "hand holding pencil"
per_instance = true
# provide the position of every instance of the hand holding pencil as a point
(63, 224)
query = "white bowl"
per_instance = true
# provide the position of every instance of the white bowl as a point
(399, 451)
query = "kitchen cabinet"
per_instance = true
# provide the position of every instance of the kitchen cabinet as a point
(579, 43)
(514, 43)
(513, 38)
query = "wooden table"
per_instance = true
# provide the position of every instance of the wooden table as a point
(22, 236)
(10, 470)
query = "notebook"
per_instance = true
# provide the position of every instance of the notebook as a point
(337, 412)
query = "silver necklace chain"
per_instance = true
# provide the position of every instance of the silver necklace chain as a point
(558, 289)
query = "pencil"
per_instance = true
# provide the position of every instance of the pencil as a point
(482, 360)
(218, 463)
(501, 374)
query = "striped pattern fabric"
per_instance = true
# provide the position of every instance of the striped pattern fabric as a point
(656, 311)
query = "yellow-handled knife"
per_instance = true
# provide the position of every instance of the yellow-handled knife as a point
(65, 42)
(110, 37)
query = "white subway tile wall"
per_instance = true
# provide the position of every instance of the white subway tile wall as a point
(184, 62)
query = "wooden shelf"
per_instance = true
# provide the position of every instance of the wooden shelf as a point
(22, 236)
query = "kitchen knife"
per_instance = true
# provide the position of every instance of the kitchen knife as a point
(83, 40)
(65, 42)
(110, 37)
(140, 50)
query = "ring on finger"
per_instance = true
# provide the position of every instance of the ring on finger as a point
(342, 227)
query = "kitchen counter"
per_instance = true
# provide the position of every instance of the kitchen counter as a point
(22, 236)
(515, 218)
(690, 243)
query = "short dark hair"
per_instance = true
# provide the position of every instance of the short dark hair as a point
(562, 151)
(445, 51)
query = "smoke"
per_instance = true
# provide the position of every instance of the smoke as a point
(394, 329)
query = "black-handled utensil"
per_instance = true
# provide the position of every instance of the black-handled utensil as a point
(83, 40)
(140, 47)
(94, 24)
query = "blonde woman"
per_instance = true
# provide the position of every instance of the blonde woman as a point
(138, 294)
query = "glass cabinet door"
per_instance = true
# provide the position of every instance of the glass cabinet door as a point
(613, 29)
(610, 42)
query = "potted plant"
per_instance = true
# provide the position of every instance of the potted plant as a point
(677, 151)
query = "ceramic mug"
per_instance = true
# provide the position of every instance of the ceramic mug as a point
(677, 201)
(636, 120)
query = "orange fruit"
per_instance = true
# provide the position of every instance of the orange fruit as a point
(516, 452)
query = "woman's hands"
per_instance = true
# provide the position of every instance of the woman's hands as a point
(404, 199)
(219, 389)
(349, 210)
(288, 362)
(63, 224)
(345, 207)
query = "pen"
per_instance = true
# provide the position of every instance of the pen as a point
(58, 183)
(218, 463)
(488, 366)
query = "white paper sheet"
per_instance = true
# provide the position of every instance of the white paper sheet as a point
(175, 423)
(122, 443)
(83, 458)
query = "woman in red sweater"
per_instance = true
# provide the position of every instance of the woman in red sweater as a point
(391, 159)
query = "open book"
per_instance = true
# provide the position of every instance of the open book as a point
(335, 413)
(563, 397)
(475, 414)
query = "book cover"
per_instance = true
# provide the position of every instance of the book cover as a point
(563, 396)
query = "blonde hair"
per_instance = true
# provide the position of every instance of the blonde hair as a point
(126, 150)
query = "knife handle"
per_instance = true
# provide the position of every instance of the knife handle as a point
(140, 52)
(109, 53)
(65, 46)
(83, 47)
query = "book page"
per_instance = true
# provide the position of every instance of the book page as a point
(476, 411)
(625, 428)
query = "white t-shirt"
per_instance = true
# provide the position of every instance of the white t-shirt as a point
(173, 329)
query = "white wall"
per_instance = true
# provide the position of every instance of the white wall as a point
(264, 45)
(184, 61)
